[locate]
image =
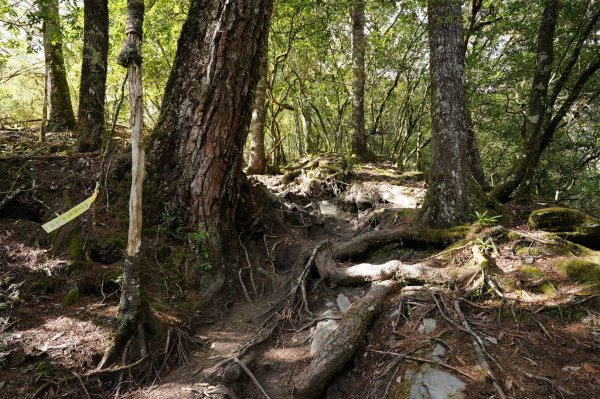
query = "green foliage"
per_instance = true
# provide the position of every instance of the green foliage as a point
(483, 220)
(198, 243)
(487, 245)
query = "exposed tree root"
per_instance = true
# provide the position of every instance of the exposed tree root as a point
(423, 272)
(342, 343)
(358, 246)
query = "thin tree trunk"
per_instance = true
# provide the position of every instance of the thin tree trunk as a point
(44, 107)
(453, 195)
(133, 309)
(61, 111)
(537, 107)
(306, 118)
(359, 141)
(92, 90)
(258, 160)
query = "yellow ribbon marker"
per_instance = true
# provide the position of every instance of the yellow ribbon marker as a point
(71, 213)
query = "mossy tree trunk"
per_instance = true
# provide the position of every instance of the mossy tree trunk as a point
(92, 90)
(200, 135)
(453, 194)
(258, 159)
(359, 140)
(61, 110)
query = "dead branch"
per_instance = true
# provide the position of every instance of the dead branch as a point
(422, 360)
(479, 351)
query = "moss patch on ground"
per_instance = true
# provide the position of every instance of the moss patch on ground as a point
(580, 270)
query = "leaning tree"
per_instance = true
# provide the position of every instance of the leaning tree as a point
(453, 194)
(197, 144)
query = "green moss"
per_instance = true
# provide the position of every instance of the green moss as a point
(546, 289)
(75, 248)
(580, 270)
(71, 297)
(532, 271)
(556, 219)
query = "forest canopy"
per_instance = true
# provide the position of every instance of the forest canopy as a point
(309, 80)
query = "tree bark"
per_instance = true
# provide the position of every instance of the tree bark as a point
(359, 140)
(199, 138)
(537, 107)
(61, 111)
(453, 194)
(258, 159)
(133, 309)
(92, 90)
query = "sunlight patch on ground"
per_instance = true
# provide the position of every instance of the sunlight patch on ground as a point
(69, 342)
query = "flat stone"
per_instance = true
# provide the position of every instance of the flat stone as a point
(529, 260)
(438, 352)
(343, 302)
(427, 326)
(431, 383)
(322, 331)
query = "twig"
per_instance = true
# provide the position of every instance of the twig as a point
(116, 369)
(543, 328)
(42, 389)
(243, 285)
(249, 267)
(479, 351)
(254, 380)
(87, 394)
(422, 360)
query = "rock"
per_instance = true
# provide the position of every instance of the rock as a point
(329, 304)
(529, 260)
(556, 219)
(343, 303)
(321, 333)
(363, 201)
(570, 224)
(327, 313)
(438, 352)
(427, 326)
(431, 383)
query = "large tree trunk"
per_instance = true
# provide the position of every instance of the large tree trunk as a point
(359, 141)
(92, 90)
(537, 107)
(199, 138)
(61, 111)
(258, 159)
(453, 194)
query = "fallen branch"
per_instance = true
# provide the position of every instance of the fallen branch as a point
(341, 344)
(479, 351)
(116, 369)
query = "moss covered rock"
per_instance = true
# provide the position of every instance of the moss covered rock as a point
(570, 224)
(580, 270)
(556, 219)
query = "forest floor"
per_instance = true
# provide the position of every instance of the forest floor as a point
(537, 324)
